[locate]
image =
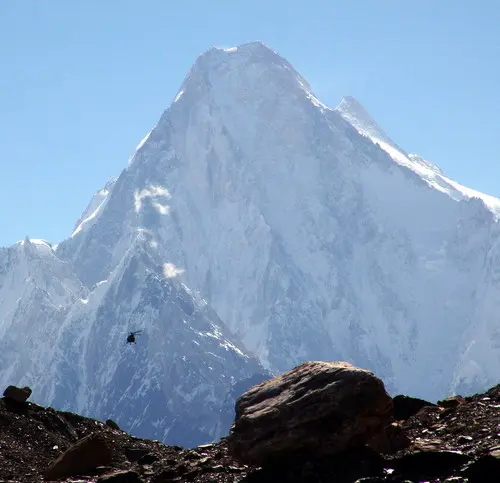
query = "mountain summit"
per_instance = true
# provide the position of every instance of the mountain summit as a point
(251, 68)
(255, 228)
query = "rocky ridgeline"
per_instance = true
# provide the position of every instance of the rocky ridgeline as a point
(320, 422)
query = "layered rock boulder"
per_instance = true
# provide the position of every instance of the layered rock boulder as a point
(319, 408)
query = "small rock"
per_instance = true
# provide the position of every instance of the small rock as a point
(124, 476)
(405, 406)
(428, 415)
(451, 402)
(319, 408)
(17, 394)
(84, 456)
(462, 439)
(110, 423)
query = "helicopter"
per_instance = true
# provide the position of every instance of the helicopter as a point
(131, 336)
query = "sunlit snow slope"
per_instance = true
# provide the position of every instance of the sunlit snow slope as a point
(311, 233)
(253, 219)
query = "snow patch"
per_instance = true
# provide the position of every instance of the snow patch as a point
(161, 208)
(179, 95)
(139, 146)
(142, 141)
(89, 218)
(152, 192)
(171, 271)
(39, 242)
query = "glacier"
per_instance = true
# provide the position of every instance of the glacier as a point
(255, 228)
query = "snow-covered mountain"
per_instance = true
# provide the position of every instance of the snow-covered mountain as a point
(68, 343)
(305, 230)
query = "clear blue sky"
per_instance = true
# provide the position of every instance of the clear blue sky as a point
(82, 81)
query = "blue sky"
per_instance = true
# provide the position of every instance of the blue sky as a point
(82, 82)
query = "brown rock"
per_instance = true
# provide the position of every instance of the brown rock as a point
(318, 407)
(452, 402)
(428, 415)
(84, 456)
(17, 394)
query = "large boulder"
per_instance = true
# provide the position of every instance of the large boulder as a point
(318, 408)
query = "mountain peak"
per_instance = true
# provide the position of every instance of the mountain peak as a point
(254, 46)
(255, 50)
(250, 67)
(35, 246)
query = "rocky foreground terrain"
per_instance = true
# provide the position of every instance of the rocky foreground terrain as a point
(320, 422)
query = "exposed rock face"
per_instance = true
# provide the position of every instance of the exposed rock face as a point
(451, 402)
(17, 394)
(318, 408)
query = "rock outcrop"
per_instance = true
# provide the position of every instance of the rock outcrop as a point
(318, 408)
